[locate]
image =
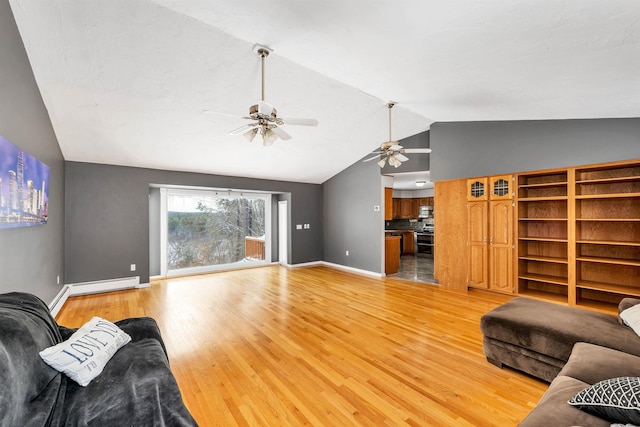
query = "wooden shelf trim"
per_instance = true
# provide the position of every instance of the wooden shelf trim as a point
(543, 239)
(615, 261)
(546, 296)
(542, 199)
(543, 278)
(556, 260)
(608, 242)
(606, 196)
(543, 219)
(608, 219)
(544, 185)
(608, 287)
(608, 180)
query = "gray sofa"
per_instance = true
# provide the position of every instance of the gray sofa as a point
(136, 387)
(569, 347)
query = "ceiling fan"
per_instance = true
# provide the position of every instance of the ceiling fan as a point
(391, 151)
(267, 123)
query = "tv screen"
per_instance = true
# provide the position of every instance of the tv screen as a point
(24, 187)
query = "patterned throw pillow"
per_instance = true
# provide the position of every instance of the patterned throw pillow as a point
(85, 354)
(616, 399)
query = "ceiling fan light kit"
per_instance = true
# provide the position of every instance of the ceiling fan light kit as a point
(267, 123)
(391, 151)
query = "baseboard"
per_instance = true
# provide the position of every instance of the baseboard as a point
(59, 300)
(351, 269)
(305, 264)
(99, 286)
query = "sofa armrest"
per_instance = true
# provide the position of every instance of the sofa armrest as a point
(593, 363)
(140, 328)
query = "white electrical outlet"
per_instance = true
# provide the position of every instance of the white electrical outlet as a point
(133, 267)
(347, 253)
(58, 280)
(298, 226)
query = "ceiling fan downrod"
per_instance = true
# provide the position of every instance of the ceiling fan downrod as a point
(263, 54)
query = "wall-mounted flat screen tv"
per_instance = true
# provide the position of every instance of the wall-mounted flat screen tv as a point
(24, 187)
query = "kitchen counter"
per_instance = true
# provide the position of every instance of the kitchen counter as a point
(407, 243)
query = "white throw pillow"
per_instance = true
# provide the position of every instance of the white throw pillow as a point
(631, 318)
(84, 355)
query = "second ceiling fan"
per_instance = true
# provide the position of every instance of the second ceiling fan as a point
(391, 151)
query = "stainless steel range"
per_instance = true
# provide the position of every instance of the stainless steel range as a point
(424, 241)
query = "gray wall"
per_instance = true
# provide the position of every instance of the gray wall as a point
(469, 149)
(350, 222)
(30, 257)
(107, 217)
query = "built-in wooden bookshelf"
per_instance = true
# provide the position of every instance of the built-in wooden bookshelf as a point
(607, 233)
(579, 234)
(543, 235)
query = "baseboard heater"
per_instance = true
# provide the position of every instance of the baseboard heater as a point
(59, 300)
(109, 285)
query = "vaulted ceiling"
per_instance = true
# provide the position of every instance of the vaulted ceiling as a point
(126, 81)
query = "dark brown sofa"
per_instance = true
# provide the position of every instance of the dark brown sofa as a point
(587, 365)
(537, 337)
(570, 347)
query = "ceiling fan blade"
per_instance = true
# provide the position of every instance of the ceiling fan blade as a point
(265, 108)
(281, 133)
(401, 157)
(243, 129)
(377, 156)
(395, 147)
(300, 122)
(218, 113)
(417, 150)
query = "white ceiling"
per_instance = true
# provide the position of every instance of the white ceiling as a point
(126, 81)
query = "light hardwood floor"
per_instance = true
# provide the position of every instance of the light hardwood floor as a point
(317, 346)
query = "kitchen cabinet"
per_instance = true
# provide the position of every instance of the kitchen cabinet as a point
(402, 208)
(415, 204)
(396, 208)
(388, 204)
(408, 243)
(406, 208)
(490, 233)
(426, 201)
(391, 254)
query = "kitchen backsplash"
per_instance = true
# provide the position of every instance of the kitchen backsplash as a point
(404, 224)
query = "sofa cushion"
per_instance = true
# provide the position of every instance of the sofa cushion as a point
(136, 388)
(615, 399)
(31, 389)
(631, 318)
(553, 409)
(592, 363)
(553, 329)
(625, 304)
(83, 356)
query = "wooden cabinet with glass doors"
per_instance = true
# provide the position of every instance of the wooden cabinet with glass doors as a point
(490, 233)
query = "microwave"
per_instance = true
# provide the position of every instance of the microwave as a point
(425, 212)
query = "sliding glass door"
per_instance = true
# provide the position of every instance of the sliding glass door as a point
(206, 230)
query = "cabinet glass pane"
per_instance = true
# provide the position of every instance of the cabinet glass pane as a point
(477, 189)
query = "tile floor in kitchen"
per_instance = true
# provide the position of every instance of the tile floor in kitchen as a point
(415, 268)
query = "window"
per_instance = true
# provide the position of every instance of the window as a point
(205, 230)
